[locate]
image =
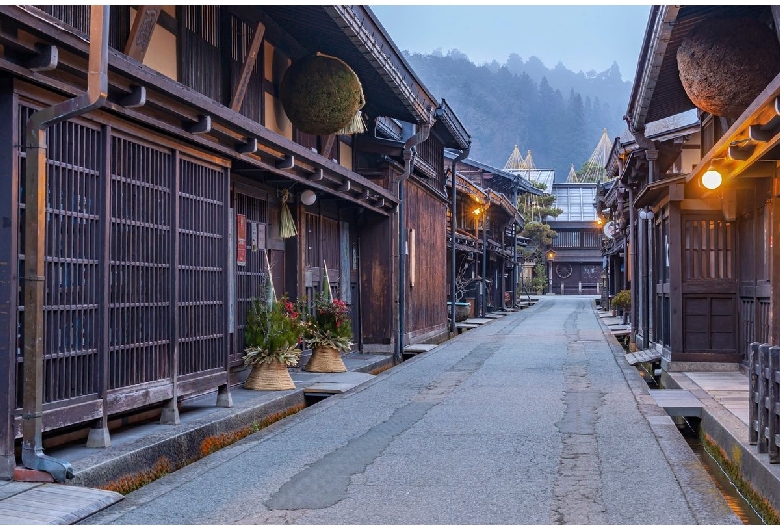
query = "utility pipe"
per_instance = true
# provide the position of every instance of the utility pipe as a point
(631, 268)
(409, 148)
(484, 256)
(35, 252)
(453, 227)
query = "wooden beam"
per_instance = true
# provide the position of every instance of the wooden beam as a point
(136, 98)
(202, 126)
(47, 58)
(328, 146)
(141, 32)
(249, 147)
(246, 70)
(741, 153)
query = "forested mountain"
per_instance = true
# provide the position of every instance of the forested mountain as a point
(556, 113)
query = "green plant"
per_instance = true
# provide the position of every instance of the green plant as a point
(622, 300)
(273, 331)
(329, 324)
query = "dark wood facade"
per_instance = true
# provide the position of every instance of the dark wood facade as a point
(146, 288)
(703, 262)
(487, 234)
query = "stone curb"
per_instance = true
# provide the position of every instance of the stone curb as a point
(707, 504)
(731, 435)
(181, 444)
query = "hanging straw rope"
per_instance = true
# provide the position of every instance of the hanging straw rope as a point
(287, 224)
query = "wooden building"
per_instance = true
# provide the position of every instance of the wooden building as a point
(166, 159)
(576, 266)
(614, 196)
(487, 237)
(704, 262)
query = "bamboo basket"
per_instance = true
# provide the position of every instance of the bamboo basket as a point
(324, 359)
(269, 375)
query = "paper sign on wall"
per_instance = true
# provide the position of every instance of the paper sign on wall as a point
(254, 237)
(240, 239)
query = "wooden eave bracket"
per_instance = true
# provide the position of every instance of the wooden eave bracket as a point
(46, 59)
(203, 126)
(250, 146)
(136, 98)
(318, 174)
(346, 186)
(288, 162)
(741, 152)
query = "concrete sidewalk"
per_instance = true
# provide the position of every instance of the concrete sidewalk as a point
(723, 401)
(139, 451)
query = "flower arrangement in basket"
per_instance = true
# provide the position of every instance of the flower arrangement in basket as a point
(328, 331)
(272, 336)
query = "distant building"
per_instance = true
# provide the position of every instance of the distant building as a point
(577, 263)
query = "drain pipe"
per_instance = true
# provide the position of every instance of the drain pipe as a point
(453, 227)
(409, 147)
(35, 253)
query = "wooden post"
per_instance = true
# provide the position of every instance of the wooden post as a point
(773, 425)
(774, 268)
(170, 412)
(753, 398)
(677, 320)
(99, 436)
(246, 70)
(224, 397)
(763, 393)
(141, 33)
(9, 278)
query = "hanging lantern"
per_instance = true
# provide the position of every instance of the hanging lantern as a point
(725, 63)
(322, 95)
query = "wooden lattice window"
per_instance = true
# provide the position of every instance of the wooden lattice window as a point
(202, 249)
(140, 264)
(709, 249)
(72, 254)
(201, 63)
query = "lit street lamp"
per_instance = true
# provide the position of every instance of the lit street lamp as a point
(550, 258)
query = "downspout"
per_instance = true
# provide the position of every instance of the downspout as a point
(484, 256)
(409, 148)
(35, 253)
(516, 266)
(453, 227)
(632, 261)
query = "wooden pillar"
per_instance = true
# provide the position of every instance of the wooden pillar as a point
(677, 322)
(774, 268)
(98, 433)
(9, 277)
(170, 412)
(224, 397)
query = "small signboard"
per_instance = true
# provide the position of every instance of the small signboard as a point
(241, 239)
(254, 237)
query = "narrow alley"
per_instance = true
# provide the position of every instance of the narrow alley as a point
(533, 419)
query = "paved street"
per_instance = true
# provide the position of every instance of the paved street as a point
(533, 419)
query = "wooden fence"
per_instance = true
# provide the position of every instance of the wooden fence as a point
(764, 418)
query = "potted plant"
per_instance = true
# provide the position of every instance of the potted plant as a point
(462, 283)
(272, 334)
(328, 332)
(621, 301)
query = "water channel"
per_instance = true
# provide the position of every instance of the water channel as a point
(690, 431)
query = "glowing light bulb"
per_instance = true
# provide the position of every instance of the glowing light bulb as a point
(711, 179)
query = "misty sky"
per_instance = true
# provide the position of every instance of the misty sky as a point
(582, 37)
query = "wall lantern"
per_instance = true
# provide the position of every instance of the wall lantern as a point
(711, 179)
(308, 197)
(550, 255)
